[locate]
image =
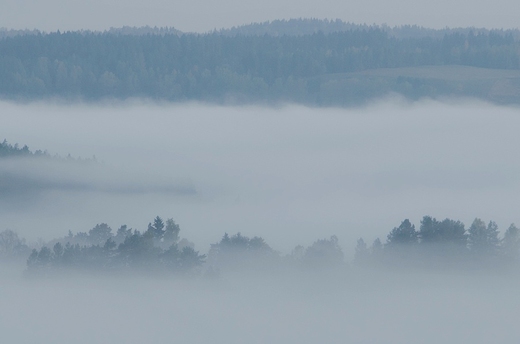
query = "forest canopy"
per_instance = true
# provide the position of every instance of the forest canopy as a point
(160, 250)
(269, 62)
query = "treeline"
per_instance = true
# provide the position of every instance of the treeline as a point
(436, 245)
(8, 150)
(160, 250)
(220, 67)
(443, 244)
(308, 26)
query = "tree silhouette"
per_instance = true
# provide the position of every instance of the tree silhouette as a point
(482, 239)
(362, 253)
(324, 253)
(511, 243)
(405, 234)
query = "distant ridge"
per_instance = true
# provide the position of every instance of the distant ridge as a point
(125, 30)
(287, 27)
(308, 61)
(309, 26)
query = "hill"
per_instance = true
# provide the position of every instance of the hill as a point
(313, 62)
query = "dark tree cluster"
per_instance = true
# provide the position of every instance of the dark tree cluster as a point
(9, 150)
(158, 249)
(443, 244)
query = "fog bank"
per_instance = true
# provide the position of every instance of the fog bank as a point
(290, 174)
(426, 309)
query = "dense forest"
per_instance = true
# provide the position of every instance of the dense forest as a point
(326, 64)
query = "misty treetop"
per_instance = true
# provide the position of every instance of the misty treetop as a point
(16, 184)
(311, 68)
(8, 150)
(241, 252)
(12, 247)
(158, 249)
(443, 244)
(435, 244)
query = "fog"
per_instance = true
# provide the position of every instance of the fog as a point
(86, 311)
(430, 310)
(289, 174)
(205, 15)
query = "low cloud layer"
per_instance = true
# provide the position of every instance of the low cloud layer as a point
(34, 176)
(426, 309)
(288, 174)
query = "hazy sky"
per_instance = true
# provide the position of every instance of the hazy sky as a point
(204, 15)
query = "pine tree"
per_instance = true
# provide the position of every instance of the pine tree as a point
(483, 239)
(405, 234)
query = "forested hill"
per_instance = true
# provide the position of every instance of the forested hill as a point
(334, 68)
(308, 26)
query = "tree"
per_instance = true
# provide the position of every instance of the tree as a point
(186, 260)
(511, 243)
(171, 233)
(57, 250)
(324, 253)
(376, 251)
(189, 259)
(157, 229)
(444, 234)
(493, 240)
(428, 231)
(40, 260)
(170, 257)
(32, 261)
(11, 246)
(239, 251)
(450, 231)
(122, 233)
(259, 244)
(109, 245)
(482, 239)
(138, 250)
(71, 255)
(405, 234)
(362, 253)
(99, 234)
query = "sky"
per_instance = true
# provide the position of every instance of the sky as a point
(206, 15)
